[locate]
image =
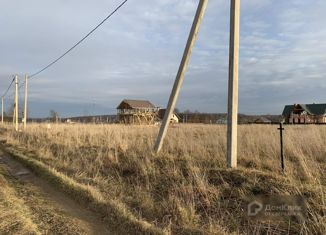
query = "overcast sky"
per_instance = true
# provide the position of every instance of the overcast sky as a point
(137, 52)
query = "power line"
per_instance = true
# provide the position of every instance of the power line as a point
(21, 85)
(9, 96)
(12, 81)
(79, 42)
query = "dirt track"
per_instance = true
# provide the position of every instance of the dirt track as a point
(52, 210)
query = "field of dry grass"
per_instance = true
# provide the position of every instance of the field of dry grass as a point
(186, 188)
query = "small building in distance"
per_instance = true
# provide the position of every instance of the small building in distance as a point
(174, 117)
(262, 120)
(137, 112)
(305, 113)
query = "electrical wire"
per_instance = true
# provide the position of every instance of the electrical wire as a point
(21, 85)
(12, 81)
(5, 97)
(79, 42)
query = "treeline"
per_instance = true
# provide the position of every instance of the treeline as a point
(221, 118)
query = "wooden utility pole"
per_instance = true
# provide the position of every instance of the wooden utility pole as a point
(232, 126)
(26, 96)
(16, 104)
(181, 72)
(2, 100)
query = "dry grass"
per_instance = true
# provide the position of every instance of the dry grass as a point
(15, 217)
(185, 188)
(115, 213)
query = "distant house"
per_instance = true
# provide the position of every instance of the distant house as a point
(174, 117)
(262, 120)
(137, 112)
(304, 113)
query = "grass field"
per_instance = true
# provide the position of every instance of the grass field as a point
(186, 188)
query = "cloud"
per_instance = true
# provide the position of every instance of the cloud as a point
(137, 52)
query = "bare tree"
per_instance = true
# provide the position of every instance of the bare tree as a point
(53, 115)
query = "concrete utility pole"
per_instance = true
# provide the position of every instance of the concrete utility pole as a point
(14, 113)
(232, 126)
(26, 96)
(16, 104)
(14, 110)
(181, 72)
(2, 100)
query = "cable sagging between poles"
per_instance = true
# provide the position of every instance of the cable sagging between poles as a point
(5, 93)
(79, 42)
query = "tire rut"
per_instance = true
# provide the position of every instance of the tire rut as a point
(53, 211)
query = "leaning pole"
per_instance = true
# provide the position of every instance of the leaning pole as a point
(181, 73)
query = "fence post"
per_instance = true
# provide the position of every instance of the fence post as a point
(282, 149)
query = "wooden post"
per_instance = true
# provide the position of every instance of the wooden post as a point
(281, 142)
(181, 72)
(2, 112)
(26, 96)
(232, 125)
(16, 104)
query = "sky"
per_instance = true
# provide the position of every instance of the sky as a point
(136, 54)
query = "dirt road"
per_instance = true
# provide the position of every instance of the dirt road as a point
(52, 211)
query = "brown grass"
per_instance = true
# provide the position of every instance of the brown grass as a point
(186, 188)
(15, 217)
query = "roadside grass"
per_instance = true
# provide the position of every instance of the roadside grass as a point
(15, 217)
(185, 189)
(115, 213)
